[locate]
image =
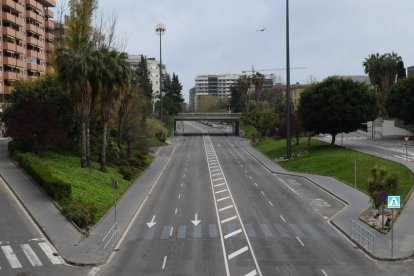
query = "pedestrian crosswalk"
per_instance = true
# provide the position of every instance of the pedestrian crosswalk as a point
(260, 231)
(33, 254)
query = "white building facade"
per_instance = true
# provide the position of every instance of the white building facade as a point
(154, 69)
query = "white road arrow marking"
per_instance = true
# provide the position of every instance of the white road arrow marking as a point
(152, 222)
(196, 221)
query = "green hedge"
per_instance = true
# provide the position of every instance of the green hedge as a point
(56, 189)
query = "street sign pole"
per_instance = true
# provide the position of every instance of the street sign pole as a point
(392, 233)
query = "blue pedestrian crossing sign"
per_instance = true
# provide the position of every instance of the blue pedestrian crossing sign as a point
(394, 202)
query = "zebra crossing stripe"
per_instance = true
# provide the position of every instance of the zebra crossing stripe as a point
(251, 273)
(11, 257)
(297, 230)
(31, 255)
(238, 252)
(49, 253)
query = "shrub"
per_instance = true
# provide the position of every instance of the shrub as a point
(127, 172)
(55, 188)
(156, 130)
(82, 214)
(136, 162)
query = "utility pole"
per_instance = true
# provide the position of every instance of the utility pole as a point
(288, 105)
(160, 29)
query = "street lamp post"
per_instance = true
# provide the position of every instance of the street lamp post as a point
(115, 186)
(160, 30)
(288, 105)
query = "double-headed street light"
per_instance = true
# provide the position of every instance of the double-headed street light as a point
(160, 30)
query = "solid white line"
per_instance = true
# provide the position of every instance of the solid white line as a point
(49, 253)
(164, 262)
(229, 219)
(238, 252)
(171, 231)
(299, 241)
(271, 204)
(224, 198)
(251, 273)
(221, 191)
(31, 255)
(225, 208)
(282, 218)
(11, 256)
(94, 271)
(229, 235)
(324, 273)
(221, 184)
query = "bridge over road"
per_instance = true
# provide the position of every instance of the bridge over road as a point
(214, 117)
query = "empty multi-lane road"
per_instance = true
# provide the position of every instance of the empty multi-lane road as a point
(216, 211)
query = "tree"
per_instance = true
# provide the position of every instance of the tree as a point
(382, 71)
(400, 100)
(296, 128)
(116, 74)
(265, 121)
(258, 79)
(240, 98)
(36, 124)
(336, 105)
(210, 103)
(143, 81)
(379, 181)
(172, 99)
(75, 67)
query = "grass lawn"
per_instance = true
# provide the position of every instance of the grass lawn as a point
(338, 162)
(88, 185)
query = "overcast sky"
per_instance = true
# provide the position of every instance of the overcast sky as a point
(329, 37)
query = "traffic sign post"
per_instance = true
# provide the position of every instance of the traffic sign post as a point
(394, 202)
(383, 197)
(406, 138)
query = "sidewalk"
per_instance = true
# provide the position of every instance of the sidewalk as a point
(68, 241)
(357, 202)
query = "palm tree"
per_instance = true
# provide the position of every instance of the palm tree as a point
(258, 80)
(74, 64)
(382, 71)
(115, 80)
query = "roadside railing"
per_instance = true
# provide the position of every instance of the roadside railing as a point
(362, 235)
(110, 238)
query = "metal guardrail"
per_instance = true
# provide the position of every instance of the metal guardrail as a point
(362, 236)
(110, 238)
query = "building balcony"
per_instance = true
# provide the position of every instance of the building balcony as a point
(13, 62)
(49, 13)
(13, 33)
(34, 29)
(13, 5)
(48, 3)
(50, 24)
(33, 41)
(35, 4)
(49, 36)
(10, 75)
(35, 16)
(33, 67)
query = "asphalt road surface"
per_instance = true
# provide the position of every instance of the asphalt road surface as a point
(23, 249)
(217, 211)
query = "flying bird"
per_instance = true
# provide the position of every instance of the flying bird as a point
(261, 30)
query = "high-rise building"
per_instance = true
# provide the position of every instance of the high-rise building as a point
(154, 69)
(27, 40)
(192, 100)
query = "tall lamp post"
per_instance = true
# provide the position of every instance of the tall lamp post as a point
(288, 101)
(160, 30)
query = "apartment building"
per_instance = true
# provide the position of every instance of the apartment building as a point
(27, 40)
(154, 68)
(219, 85)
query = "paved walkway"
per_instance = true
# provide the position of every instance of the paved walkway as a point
(357, 203)
(79, 250)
